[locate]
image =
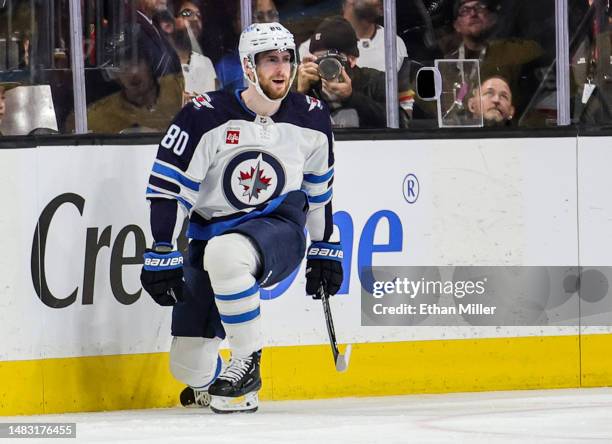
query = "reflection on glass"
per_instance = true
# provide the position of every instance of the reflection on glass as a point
(355, 95)
(353, 35)
(512, 40)
(181, 42)
(34, 62)
(460, 82)
(591, 65)
(184, 31)
(144, 103)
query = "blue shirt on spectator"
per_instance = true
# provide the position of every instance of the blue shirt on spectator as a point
(229, 72)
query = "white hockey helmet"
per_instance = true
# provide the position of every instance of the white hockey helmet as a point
(261, 37)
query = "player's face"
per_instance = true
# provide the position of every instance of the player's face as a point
(274, 73)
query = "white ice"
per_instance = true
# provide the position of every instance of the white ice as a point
(551, 416)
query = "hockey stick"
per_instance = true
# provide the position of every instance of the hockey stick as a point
(341, 361)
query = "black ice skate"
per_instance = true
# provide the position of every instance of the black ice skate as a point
(191, 397)
(235, 390)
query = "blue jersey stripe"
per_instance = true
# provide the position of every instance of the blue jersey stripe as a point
(322, 197)
(243, 294)
(240, 318)
(184, 202)
(197, 231)
(173, 174)
(314, 178)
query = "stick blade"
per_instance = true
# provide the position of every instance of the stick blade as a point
(342, 361)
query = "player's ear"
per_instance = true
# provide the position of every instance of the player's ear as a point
(249, 69)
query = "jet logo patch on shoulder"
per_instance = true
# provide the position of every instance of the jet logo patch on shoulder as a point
(202, 100)
(313, 103)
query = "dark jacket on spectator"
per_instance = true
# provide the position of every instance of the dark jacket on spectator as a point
(368, 98)
(588, 64)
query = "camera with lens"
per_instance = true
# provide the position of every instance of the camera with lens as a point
(331, 64)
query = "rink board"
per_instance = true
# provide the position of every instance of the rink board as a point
(480, 202)
(307, 372)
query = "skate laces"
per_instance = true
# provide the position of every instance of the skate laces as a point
(201, 397)
(236, 369)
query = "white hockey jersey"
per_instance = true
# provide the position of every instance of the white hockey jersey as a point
(219, 161)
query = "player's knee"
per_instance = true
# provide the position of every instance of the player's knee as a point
(229, 256)
(195, 361)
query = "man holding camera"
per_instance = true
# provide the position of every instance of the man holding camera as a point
(355, 95)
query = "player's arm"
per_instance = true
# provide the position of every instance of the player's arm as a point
(324, 256)
(172, 191)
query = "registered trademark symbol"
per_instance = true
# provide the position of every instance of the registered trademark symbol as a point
(411, 188)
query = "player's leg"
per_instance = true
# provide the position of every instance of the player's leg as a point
(195, 362)
(232, 262)
(197, 331)
(261, 251)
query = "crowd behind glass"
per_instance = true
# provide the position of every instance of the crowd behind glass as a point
(144, 59)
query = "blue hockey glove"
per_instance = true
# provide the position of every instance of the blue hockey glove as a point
(324, 268)
(162, 276)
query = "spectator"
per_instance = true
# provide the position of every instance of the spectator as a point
(152, 41)
(264, 11)
(198, 70)
(513, 59)
(165, 23)
(493, 102)
(591, 68)
(363, 15)
(356, 95)
(229, 70)
(144, 104)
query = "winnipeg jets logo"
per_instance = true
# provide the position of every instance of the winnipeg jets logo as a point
(252, 178)
(202, 100)
(313, 103)
(254, 181)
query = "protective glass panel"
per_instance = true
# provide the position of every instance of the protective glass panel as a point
(145, 59)
(35, 76)
(514, 42)
(342, 52)
(461, 100)
(591, 63)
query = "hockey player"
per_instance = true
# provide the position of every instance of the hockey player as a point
(251, 170)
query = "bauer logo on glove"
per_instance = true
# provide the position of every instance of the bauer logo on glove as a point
(162, 276)
(324, 268)
(325, 253)
(153, 263)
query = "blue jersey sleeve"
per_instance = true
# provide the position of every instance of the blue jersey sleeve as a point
(319, 172)
(179, 168)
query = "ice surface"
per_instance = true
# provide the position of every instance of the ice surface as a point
(551, 416)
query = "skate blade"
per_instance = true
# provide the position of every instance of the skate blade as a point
(241, 404)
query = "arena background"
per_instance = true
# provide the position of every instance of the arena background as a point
(74, 220)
